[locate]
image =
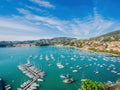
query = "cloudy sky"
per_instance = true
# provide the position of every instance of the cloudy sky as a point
(36, 19)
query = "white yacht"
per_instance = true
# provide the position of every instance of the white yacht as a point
(70, 80)
(59, 65)
(75, 71)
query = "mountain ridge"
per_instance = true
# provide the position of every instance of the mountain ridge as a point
(108, 37)
(111, 36)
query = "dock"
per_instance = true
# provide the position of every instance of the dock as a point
(31, 83)
(32, 72)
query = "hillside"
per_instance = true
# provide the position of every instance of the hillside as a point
(109, 37)
(53, 41)
(6, 44)
(112, 36)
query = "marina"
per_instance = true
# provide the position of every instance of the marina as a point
(59, 45)
(64, 66)
(32, 72)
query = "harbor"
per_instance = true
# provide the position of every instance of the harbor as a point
(32, 72)
(65, 68)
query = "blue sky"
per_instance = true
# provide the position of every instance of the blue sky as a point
(36, 19)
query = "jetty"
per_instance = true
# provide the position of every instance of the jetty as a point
(32, 72)
(31, 84)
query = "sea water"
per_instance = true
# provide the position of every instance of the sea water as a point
(73, 59)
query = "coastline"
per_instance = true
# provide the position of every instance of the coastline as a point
(35, 52)
(86, 50)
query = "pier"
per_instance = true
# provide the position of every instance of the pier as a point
(31, 83)
(32, 72)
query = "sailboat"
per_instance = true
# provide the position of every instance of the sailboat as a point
(41, 57)
(64, 76)
(75, 70)
(70, 80)
(96, 71)
(59, 65)
(52, 57)
(47, 58)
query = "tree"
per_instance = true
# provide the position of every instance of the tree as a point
(91, 85)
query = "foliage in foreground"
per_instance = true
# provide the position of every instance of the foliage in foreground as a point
(88, 84)
(92, 85)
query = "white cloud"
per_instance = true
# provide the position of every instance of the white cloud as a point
(88, 27)
(51, 22)
(17, 37)
(34, 8)
(30, 25)
(16, 24)
(43, 3)
(23, 11)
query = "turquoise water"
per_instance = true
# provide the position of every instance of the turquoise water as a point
(10, 58)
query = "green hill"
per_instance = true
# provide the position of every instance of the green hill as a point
(112, 36)
(109, 37)
(53, 41)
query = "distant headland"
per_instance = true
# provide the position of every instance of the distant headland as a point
(109, 43)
